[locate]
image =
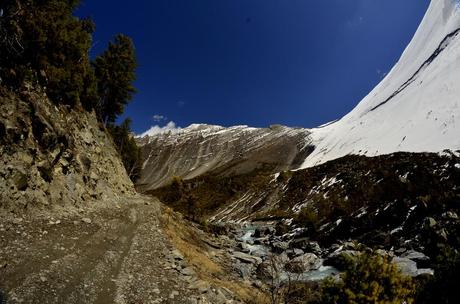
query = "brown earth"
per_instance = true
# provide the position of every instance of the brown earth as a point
(124, 253)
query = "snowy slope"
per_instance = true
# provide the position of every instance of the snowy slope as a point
(415, 108)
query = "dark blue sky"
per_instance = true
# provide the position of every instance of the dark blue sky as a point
(255, 62)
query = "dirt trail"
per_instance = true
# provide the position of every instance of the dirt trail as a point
(114, 255)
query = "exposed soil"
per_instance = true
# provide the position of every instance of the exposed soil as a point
(112, 255)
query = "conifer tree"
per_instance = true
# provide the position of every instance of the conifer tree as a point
(41, 40)
(115, 73)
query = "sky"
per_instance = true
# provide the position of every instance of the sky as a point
(299, 63)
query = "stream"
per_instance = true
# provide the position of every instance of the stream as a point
(260, 247)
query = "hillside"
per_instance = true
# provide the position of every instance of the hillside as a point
(200, 149)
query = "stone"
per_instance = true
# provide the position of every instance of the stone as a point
(86, 220)
(173, 294)
(245, 270)
(304, 263)
(407, 266)
(430, 222)
(200, 285)
(339, 259)
(415, 256)
(187, 271)
(279, 247)
(20, 180)
(177, 255)
(450, 215)
(246, 258)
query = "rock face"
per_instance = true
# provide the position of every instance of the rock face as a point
(201, 149)
(52, 155)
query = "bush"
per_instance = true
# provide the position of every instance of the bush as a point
(126, 146)
(370, 279)
(307, 217)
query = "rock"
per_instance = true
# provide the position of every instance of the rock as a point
(257, 233)
(304, 263)
(415, 256)
(20, 180)
(340, 259)
(400, 250)
(279, 247)
(177, 255)
(173, 294)
(450, 215)
(43, 279)
(425, 271)
(430, 222)
(200, 285)
(187, 271)
(407, 266)
(246, 258)
(17, 220)
(384, 253)
(292, 253)
(443, 234)
(245, 270)
(350, 246)
(265, 271)
(86, 220)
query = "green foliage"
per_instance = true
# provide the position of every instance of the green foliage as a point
(42, 41)
(370, 279)
(127, 148)
(115, 72)
(307, 217)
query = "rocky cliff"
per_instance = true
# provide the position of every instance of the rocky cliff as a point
(201, 149)
(53, 155)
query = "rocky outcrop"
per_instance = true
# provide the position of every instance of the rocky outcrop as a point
(53, 155)
(201, 149)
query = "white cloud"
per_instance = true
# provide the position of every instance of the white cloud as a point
(154, 130)
(159, 118)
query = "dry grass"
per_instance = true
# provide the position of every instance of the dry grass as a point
(187, 240)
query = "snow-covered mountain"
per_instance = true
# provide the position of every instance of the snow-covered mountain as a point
(200, 149)
(415, 108)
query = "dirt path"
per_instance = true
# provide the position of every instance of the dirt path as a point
(115, 255)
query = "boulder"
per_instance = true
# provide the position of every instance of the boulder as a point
(279, 246)
(246, 258)
(415, 256)
(304, 263)
(341, 259)
(409, 267)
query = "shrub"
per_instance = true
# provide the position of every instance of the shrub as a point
(307, 217)
(126, 146)
(370, 279)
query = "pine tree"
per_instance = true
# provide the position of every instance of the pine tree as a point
(115, 73)
(41, 40)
